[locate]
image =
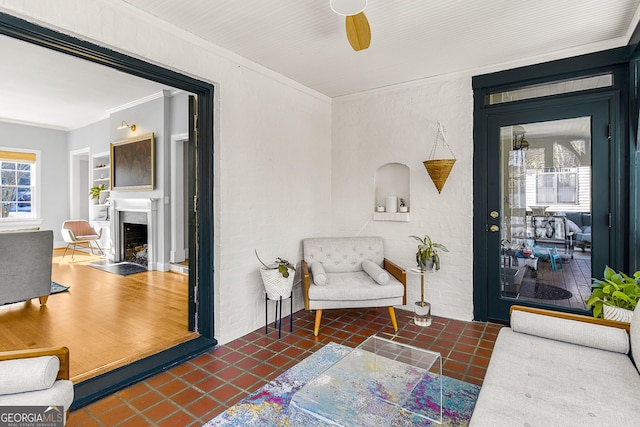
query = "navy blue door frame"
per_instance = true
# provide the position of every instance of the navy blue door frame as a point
(606, 106)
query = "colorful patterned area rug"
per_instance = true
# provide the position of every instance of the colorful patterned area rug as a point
(269, 405)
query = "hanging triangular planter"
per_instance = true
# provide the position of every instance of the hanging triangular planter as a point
(439, 171)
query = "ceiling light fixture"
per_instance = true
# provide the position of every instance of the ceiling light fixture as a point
(125, 125)
(348, 7)
(357, 25)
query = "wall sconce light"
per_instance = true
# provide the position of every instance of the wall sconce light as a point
(519, 143)
(125, 125)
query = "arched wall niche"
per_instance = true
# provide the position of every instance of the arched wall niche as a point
(392, 183)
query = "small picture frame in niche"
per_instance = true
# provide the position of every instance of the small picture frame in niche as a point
(133, 163)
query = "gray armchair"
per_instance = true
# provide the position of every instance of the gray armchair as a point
(25, 266)
(350, 272)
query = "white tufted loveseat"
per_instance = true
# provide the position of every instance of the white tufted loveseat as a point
(350, 272)
(558, 369)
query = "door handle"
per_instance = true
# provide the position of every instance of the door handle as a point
(494, 228)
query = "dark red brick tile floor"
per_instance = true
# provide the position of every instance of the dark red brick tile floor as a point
(196, 391)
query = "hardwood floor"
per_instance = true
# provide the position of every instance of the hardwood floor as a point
(574, 276)
(106, 320)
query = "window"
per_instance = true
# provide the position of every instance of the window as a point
(550, 88)
(17, 184)
(557, 187)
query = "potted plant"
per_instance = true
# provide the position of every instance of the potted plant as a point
(94, 191)
(277, 277)
(427, 255)
(403, 205)
(616, 296)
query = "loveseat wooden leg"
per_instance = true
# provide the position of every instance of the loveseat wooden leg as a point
(43, 299)
(316, 328)
(394, 322)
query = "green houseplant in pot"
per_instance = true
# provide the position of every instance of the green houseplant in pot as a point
(616, 296)
(277, 277)
(427, 255)
(94, 191)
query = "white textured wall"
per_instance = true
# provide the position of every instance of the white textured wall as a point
(400, 125)
(272, 147)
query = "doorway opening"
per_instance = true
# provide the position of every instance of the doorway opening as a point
(79, 183)
(199, 242)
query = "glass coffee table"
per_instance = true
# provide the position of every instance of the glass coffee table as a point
(381, 382)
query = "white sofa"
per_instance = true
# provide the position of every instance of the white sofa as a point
(36, 377)
(350, 272)
(553, 369)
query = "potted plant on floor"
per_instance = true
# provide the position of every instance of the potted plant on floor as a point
(616, 296)
(277, 277)
(427, 255)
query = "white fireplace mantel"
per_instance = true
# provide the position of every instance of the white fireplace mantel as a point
(150, 207)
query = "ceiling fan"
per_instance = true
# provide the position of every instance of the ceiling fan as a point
(357, 25)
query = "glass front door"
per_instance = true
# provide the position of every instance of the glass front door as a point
(547, 228)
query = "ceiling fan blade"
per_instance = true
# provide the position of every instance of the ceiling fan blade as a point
(358, 31)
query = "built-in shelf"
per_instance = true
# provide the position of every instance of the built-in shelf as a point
(392, 184)
(99, 212)
(391, 216)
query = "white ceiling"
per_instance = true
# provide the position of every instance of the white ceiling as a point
(305, 41)
(46, 88)
(410, 39)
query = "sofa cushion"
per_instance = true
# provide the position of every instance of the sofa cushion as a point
(355, 286)
(541, 382)
(581, 219)
(30, 374)
(343, 254)
(581, 333)
(572, 226)
(60, 394)
(319, 275)
(377, 273)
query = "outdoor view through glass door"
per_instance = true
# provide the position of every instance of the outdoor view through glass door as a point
(545, 226)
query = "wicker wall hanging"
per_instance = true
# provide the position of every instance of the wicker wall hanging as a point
(439, 169)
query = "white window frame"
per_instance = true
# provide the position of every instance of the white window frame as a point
(555, 174)
(36, 183)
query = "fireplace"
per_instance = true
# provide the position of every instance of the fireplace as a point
(134, 223)
(134, 243)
